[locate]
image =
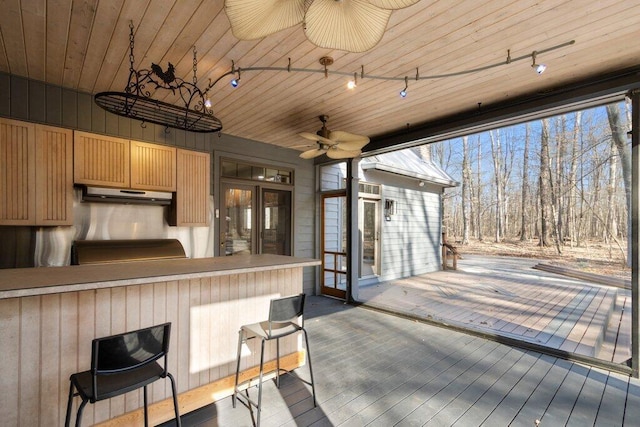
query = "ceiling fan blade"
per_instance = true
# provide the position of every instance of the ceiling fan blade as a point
(318, 138)
(335, 153)
(349, 141)
(310, 154)
(351, 146)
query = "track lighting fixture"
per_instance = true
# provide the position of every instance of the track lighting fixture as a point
(403, 92)
(235, 82)
(539, 68)
(353, 83)
(326, 61)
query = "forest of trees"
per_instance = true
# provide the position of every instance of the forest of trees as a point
(563, 180)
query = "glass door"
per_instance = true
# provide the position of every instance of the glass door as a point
(334, 245)
(275, 236)
(369, 237)
(237, 220)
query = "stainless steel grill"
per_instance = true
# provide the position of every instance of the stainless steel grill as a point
(110, 251)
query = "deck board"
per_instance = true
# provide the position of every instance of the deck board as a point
(376, 369)
(508, 297)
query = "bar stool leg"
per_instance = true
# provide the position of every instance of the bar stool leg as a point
(278, 362)
(235, 389)
(260, 384)
(175, 399)
(79, 415)
(146, 415)
(67, 419)
(313, 384)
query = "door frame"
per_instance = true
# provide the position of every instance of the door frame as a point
(377, 234)
(328, 290)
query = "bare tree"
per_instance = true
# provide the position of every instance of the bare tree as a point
(466, 184)
(619, 136)
(478, 219)
(571, 179)
(525, 184)
(543, 184)
(496, 153)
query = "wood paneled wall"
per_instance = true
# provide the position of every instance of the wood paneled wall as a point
(44, 339)
(35, 101)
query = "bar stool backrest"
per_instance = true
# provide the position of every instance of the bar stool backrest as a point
(287, 309)
(130, 351)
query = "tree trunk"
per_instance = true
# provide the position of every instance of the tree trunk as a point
(479, 192)
(619, 135)
(611, 221)
(466, 184)
(525, 172)
(571, 179)
(543, 183)
(496, 153)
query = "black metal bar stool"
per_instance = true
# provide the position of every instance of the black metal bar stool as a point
(286, 317)
(123, 363)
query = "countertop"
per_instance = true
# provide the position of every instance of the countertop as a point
(21, 282)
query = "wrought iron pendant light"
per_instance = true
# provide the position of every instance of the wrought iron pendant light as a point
(137, 102)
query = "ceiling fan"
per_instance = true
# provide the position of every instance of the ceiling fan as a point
(335, 144)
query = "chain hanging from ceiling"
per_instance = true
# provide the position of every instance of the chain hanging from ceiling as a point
(137, 102)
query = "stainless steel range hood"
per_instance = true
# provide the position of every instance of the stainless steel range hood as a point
(127, 196)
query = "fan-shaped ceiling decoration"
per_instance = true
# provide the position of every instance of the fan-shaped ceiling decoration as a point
(336, 144)
(349, 25)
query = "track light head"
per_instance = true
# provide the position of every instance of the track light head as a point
(403, 92)
(538, 68)
(352, 84)
(235, 82)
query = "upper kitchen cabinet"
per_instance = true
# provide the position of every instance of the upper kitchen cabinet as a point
(108, 161)
(193, 189)
(35, 174)
(153, 167)
(101, 160)
(54, 176)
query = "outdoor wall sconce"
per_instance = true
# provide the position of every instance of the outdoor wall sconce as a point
(389, 209)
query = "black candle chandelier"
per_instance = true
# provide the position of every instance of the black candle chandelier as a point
(136, 101)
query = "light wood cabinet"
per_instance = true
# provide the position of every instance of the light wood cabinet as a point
(35, 174)
(17, 172)
(153, 167)
(54, 176)
(108, 161)
(193, 189)
(101, 160)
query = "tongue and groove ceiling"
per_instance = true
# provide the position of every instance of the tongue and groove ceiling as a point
(84, 45)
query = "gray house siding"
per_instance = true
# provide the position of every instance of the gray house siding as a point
(410, 239)
(33, 101)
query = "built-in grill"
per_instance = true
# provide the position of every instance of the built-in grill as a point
(111, 251)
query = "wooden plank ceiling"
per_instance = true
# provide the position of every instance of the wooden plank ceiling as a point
(84, 45)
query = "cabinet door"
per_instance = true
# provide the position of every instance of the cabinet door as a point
(193, 189)
(100, 160)
(17, 173)
(153, 167)
(54, 176)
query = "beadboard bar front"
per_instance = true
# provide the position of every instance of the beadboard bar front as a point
(46, 336)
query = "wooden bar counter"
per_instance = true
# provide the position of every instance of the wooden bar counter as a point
(48, 317)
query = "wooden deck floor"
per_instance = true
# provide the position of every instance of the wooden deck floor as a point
(507, 297)
(376, 369)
